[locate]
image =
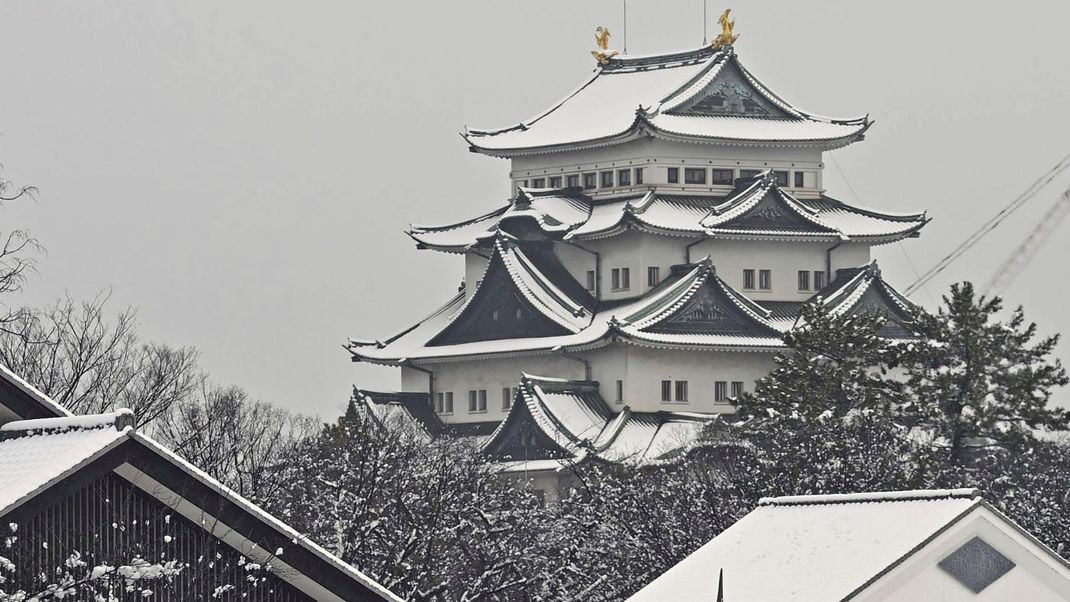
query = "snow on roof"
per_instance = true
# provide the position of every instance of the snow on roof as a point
(664, 96)
(35, 454)
(811, 548)
(39, 398)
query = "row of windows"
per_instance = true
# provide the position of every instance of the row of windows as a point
(804, 280)
(495, 314)
(477, 401)
(677, 390)
(591, 180)
(621, 278)
(765, 280)
(726, 177)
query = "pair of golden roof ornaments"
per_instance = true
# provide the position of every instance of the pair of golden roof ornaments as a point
(727, 38)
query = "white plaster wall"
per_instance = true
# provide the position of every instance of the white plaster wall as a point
(577, 260)
(1035, 577)
(492, 375)
(636, 251)
(850, 255)
(474, 266)
(642, 369)
(413, 379)
(785, 259)
(655, 155)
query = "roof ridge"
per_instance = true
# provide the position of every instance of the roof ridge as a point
(872, 497)
(120, 420)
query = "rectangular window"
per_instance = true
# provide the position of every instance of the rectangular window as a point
(625, 278)
(573, 181)
(620, 391)
(722, 177)
(439, 397)
(799, 179)
(555, 182)
(781, 178)
(720, 391)
(666, 390)
(624, 177)
(765, 280)
(590, 181)
(590, 280)
(538, 183)
(695, 175)
(819, 280)
(473, 400)
(482, 400)
(507, 398)
(607, 179)
(804, 280)
(748, 279)
(638, 175)
(681, 390)
(447, 407)
(737, 389)
(524, 183)
(615, 277)
(653, 275)
(673, 174)
(749, 173)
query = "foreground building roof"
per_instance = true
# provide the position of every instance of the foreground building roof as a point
(44, 460)
(701, 96)
(914, 545)
(758, 209)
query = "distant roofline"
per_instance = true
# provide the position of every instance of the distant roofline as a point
(877, 496)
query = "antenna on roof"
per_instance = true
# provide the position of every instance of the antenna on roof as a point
(624, 38)
(704, 20)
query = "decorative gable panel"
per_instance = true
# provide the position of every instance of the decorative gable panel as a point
(976, 565)
(730, 94)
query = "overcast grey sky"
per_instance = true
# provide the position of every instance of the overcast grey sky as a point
(242, 171)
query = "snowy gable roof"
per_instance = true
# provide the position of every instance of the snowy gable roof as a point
(554, 212)
(816, 548)
(702, 95)
(554, 422)
(35, 454)
(21, 400)
(862, 290)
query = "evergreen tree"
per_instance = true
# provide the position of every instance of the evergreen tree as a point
(976, 380)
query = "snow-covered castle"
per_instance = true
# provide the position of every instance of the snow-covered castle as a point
(668, 221)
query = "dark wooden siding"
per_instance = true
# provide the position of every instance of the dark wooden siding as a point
(109, 521)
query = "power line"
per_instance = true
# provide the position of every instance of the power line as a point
(993, 222)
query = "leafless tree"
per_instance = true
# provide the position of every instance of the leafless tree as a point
(17, 251)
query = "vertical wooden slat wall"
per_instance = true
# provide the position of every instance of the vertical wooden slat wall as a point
(111, 522)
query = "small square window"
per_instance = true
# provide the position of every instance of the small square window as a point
(524, 183)
(620, 391)
(681, 390)
(819, 280)
(804, 280)
(749, 173)
(695, 175)
(800, 180)
(653, 276)
(781, 178)
(507, 398)
(673, 174)
(748, 279)
(737, 389)
(765, 280)
(555, 181)
(624, 177)
(538, 183)
(625, 278)
(720, 391)
(638, 175)
(482, 400)
(722, 177)
(519, 314)
(494, 315)
(573, 181)
(447, 406)
(590, 181)
(473, 400)
(666, 390)
(615, 278)
(607, 179)
(591, 280)
(439, 398)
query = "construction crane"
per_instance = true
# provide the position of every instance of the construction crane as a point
(1020, 258)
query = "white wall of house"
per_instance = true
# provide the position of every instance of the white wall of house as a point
(578, 260)
(490, 375)
(1036, 577)
(636, 251)
(474, 266)
(654, 156)
(850, 255)
(643, 369)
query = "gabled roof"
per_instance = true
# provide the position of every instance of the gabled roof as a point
(553, 212)
(41, 456)
(667, 316)
(20, 399)
(703, 95)
(817, 548)
(757, 209)
(862, 290)
(554, 422)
